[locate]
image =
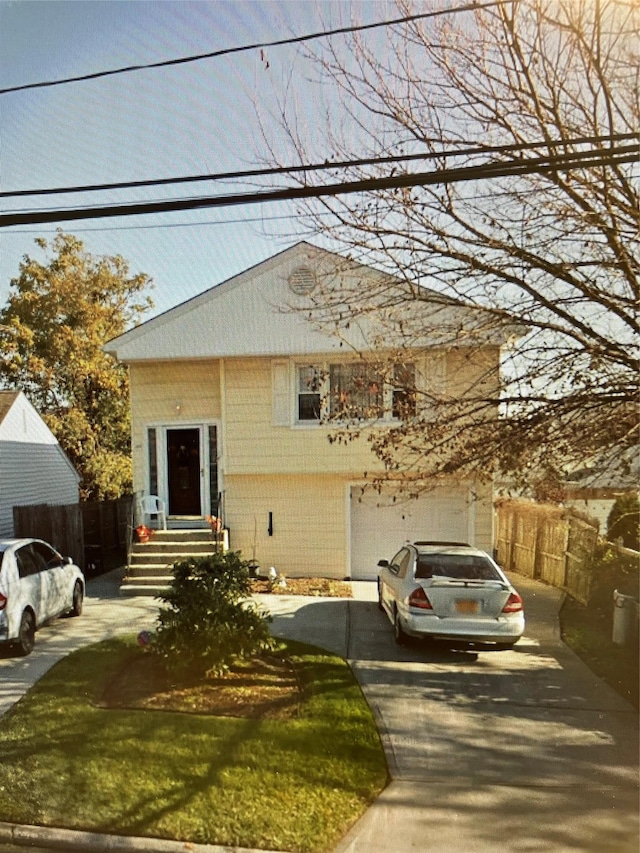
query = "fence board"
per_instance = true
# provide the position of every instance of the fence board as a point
(552, 550)
(93, 533)
(524, 544)
(59, 525)
(546, 542)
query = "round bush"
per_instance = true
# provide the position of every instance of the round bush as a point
(209, 619)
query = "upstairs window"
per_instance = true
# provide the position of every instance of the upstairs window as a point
(403, 392)
(356, 391)
(353, 391)
(309, 393)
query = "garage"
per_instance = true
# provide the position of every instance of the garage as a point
(380, 525)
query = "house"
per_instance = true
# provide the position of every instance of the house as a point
(227, 420)
(33, 467)
(595, 488)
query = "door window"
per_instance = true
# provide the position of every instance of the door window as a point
(50, 558)
(55, 591)
(183, 465)
(29, 563)
(400, 562)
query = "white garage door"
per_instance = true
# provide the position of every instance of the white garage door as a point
(379, 527)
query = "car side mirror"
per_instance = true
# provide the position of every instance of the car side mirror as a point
(384, 564)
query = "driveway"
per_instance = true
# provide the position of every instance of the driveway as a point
(105, 615)
(524, 751)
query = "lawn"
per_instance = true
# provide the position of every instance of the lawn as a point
(294, 780)
(587, 630)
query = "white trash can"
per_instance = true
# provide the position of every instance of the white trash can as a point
(625, 615)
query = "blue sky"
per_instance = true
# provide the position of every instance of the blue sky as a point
(191, 119)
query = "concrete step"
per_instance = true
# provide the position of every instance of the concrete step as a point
(182, 536)
(149, 590)
(141, 558)
(150, 580)
(150, 563)
(154, 547)
(149, 571)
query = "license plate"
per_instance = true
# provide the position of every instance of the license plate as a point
(466, 605)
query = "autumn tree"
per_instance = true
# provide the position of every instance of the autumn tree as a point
(59, 313)
(523, 119)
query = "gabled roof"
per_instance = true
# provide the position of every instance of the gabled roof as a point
(265, 311)
(21, 423)
(617, 469)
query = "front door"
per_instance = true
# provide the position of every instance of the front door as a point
(183, 467)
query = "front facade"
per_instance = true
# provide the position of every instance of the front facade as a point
(228, 394)
(33, 467)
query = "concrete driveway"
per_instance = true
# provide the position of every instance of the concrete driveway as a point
(517, 752)
(105, 615)
(523, 751)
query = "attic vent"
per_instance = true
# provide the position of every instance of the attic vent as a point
(302, 280)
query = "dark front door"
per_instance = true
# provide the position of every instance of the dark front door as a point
(183, 463)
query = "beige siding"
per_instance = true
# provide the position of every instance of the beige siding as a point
(292, 471)
(483, 511)
(309, 523)
(472, 371)
(254, 445)
(171, 393)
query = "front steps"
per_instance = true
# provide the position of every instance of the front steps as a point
(150, 563)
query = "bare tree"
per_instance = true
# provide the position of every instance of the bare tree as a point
(547, 243)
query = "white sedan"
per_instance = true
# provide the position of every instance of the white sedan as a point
(36, 584)
(451, 592)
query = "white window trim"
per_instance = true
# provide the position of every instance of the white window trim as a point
(325, 420)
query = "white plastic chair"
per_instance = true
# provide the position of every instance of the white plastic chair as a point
(149, 505)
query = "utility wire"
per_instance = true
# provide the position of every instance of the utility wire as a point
(467, 7)
(326, 165)
(563, 162)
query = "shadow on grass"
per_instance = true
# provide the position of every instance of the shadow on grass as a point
(194, 777)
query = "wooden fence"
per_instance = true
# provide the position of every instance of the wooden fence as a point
(95, 534)
(547, 543)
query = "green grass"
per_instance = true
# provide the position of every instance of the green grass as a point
(587, 630)
(293, 785)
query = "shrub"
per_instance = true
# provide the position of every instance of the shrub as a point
(611, 571)
(624, 521)
(209, 620)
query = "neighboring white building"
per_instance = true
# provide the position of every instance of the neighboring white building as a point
(33, 467)
(595, 488)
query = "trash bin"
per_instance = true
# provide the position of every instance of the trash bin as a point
(625, 616)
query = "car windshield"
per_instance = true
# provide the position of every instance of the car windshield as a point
(458, 566)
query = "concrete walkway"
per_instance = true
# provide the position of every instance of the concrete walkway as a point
(519, 752)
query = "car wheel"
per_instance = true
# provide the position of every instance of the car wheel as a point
(398, 631)
(26, 633)
(78, 596)
(380, 607)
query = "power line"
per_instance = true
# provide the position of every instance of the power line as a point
(562, 162)
(255, 46)
(326, 165)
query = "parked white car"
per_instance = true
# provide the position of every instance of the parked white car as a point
(36, 584)
(451, 592)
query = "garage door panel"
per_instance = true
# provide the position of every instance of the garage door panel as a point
(380, 526)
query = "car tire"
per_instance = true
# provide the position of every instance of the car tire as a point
(398, 631)
(380, 606)
(78, 597)
(26, 634)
